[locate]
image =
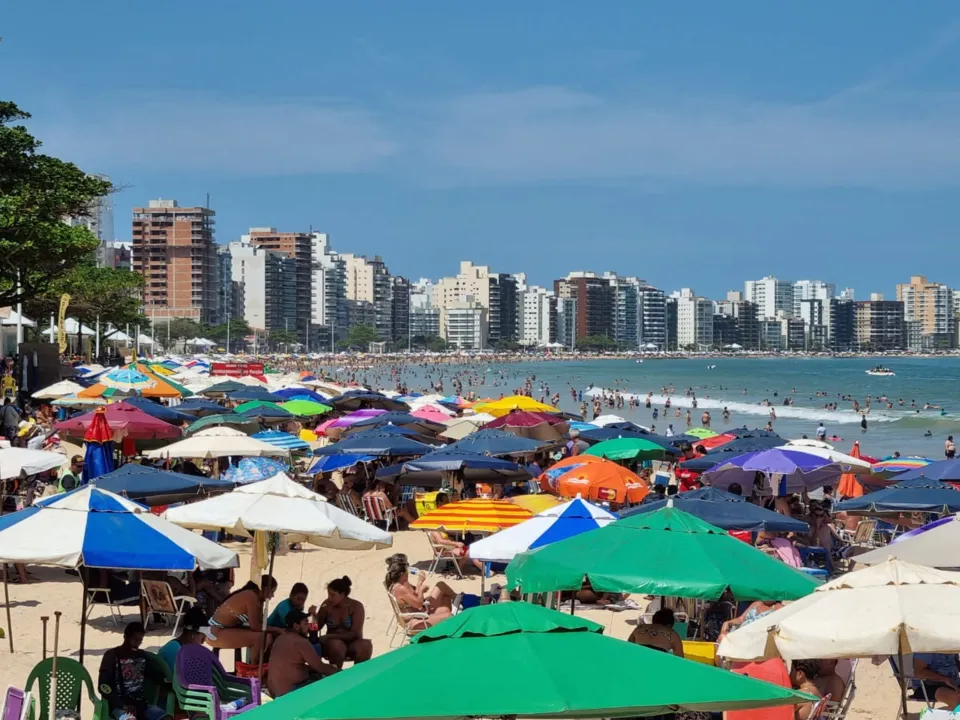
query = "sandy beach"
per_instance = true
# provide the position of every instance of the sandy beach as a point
(877, 693)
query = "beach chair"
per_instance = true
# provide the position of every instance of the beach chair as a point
(72, 680)
(406, 624)
(16, 704)
(345, 502)
(159, 599)
(102, 597)
(837, 710)
(816, 712)
(907, 676)
(153, 692)
(378, 512)
(442, 554)
(202, 686)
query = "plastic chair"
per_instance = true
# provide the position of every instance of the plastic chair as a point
(201, 684)
(152, 692)
(17, 704)
(72, 678)
(408, 623)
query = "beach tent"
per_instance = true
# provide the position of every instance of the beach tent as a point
(534, 639)
(217, 442)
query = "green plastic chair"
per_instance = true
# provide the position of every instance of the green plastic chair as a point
(153, 692)
(72, 678)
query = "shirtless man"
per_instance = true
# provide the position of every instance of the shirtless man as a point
(294, 662)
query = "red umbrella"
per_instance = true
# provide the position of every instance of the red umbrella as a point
(530, 424)
(98, 430)
(125, 421)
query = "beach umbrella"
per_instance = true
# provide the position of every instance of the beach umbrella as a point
(248, 393)
(936, 544)
(890, 467)
(785, 470)
(595, 479)
(742, 432)
(20, 462)
(432, 469)
(346, 421)
(58, 390)
(712, 443)
(536, 503)
(507, 405)
(730, 450)
(301, 393)
(893, 608)
(225, 419)
(400, 419)
(667, 552)
(701, 433)
(224, 387)
(431, 414)
(461, 427)
(98, 452)
(250, 405)
(536, 425)
(943, 471)
(253, 469)
(161, 412)
(724, 510)
(555, 523)
(304, 407)
(604, 420)
(627, 449)
(853, 462)
(330, 463)
(126, 421)
(282, 440)
(155, 487)
(126, 379)
(917, 495)
(375, 443)
(533, 638)
(476, 515)
(217, 442)
(199, 406)
(497, 442)
(848, 486)
(363, 399)
(809, 443)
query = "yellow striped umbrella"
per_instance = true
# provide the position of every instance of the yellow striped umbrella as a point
(536, 503)
(473, 516)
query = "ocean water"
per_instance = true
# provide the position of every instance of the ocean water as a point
(741, 385)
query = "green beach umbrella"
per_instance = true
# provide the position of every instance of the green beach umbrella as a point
(701, 432)
(256, 405)
(667, 552)
(241, 423)
(614, 678)
(306, 408)
(627, 449)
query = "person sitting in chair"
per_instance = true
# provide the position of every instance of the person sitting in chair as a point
(939, 676)
(123, 674)
(190, 634)
(239, 619)
(296, 601)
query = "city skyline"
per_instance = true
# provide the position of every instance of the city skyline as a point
(711, 143)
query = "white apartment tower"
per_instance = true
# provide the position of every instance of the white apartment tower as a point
(770, 295)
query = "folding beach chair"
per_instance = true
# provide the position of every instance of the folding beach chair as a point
(345, 502)
(907, 676)
(402, 623)
(837, 710)
(159, 599)
(441, 554)
(378, 512)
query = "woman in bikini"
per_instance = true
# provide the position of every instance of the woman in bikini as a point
(238, 622)
(343, 617)
(659, 634)
(437, 602)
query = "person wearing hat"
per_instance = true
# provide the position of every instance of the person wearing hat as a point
(190, 634)
(71, 478)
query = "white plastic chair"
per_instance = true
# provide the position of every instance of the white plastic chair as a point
(406, 624)
(159, 598)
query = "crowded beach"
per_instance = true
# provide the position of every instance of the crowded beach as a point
(192, 537)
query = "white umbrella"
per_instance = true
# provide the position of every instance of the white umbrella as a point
(58, 390)
(856, 465)
(459, 428)
(938, 547)
(15, 462)
(893, 608)
(218, 442)
(604, 420)
(808, 443)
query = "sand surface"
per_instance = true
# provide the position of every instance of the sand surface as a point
(877, 693)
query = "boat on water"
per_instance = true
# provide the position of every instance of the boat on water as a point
(881, 371)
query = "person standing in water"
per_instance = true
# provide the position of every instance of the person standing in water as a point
(863, 422)
(949, 448)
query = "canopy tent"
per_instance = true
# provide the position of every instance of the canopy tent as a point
(218, 442)
(155, 487)
(553, 524)
(431, 469)
(936, 544)
(725, 510)
(534, 639)
(917, 495)
(667, 552)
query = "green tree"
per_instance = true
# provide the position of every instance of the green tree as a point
(360, 336)
(436, 344)
(596, 343)
(36, 193)
(282, 338)
(237, 331)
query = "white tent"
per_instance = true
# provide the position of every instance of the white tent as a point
(144, 339)
(116, 335)
(58, 390)
(71, 326)
(218, 442)
(938, 547)
(200, 342)
(10, 318)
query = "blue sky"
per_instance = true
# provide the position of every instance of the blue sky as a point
(691, 143)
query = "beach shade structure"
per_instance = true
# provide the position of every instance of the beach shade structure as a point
(627, 449)
(849, 487)
(715, 442)
(301, 393)
(377, 444)
(580, 425)
(162, 387)
(536, 425)
(58, 390)
(247, 393)
(251, 405)
(200, 407)
(217, 442)
(787, 471)
(154, 487)
(667, 552)
(425, 412)
(224, 419)
(536, 503)
(94, 528)
(947, 471)
(604, 420)
(595, 479)
(496, 443)
(21, 462)
(330, 463)
(126, 421)
(461, 427)
(254, 469)
(917, 495)
(507, 405)
(936, 544)
(724, 510)
(555, 523)
(893, 608)
(303, 407)
(733, 449)
(364, 399)
(533, 638)
(855, 464)
(701, 433)
(98, 450)
(478, 515)
(126, 379)
(400, 419)
(432, 469)
(161, 412)
(282, 440)
(223, 388)
(891, 467)
(345, 421)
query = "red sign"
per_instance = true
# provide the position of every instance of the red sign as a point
(236, 369)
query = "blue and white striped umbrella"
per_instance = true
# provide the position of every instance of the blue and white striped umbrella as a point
(126, 379)
(95, 528)
(282, 440)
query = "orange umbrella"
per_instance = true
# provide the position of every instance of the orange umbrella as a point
(593, 479)
(849, 487)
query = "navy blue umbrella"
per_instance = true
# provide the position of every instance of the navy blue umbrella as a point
(940, 471)
(429, 470)
(378, 444)
(496, 442)
(158, 487)
(268, 413)
(159, 411)
(725, 510)
(400, 431)
(200, 406)
(743, 432)
(920, 494)
(254, 393)
(356, 399)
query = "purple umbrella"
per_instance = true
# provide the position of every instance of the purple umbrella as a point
(347, 420)
(785, 471)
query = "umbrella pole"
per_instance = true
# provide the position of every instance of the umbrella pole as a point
(903, 683)
(6, 601)
(83, 618)
(263, 616)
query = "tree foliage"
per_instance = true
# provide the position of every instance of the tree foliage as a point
(282, 338)
(596, 343)
(36, 193)
(106, 293)
(360, 336)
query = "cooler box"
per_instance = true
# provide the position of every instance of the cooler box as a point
(425, 502)
(701, 652)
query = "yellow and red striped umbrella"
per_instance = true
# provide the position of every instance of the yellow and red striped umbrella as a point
(478, 515)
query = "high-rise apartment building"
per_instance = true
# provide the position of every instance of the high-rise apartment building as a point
(539, 322)
(174, 249)
(401, 329)
(651, 318)
(424, 313)
(880, 325)
(269, 281)
(594, 303)
(770, 295)
(694, 320)
(369, 281)
(626, 309)
(98, 219)
(466, 325)
(298, 247)
(744, 315)
(811, 290)
(931, 305)
(842, 335)
(328, 294)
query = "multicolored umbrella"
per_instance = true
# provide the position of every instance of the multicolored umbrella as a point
(785, 470)
(98, 455)
(891, 466)
(504, 406)
(282, 440)
(478, 515)
(126, 379)
(346, 421)
(254, 469)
